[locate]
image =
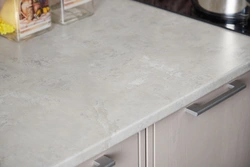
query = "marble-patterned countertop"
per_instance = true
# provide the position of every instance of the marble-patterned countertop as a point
(77, 90)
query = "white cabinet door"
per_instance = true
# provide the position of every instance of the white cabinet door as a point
(129, 153)
(220, 137)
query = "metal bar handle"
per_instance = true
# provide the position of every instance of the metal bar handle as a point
(196, 109)
(104, 161)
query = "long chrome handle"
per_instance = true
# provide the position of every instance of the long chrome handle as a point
(104, 161)
(196, 109)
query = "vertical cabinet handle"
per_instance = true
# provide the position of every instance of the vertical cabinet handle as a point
(104, 161)
(196, 109)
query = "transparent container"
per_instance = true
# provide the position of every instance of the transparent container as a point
(68, 11)
(23, 19)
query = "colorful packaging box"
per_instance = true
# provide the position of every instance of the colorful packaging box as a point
(23, 19)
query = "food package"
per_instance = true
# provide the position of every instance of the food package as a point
(23, 19)
(7, 17)
(7, 13)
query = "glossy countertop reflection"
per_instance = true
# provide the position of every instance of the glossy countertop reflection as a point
(78, 90)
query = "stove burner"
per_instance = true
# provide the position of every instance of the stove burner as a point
(238, 23)
(222, 18)
(217, 19)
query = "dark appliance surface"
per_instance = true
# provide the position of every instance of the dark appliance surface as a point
(186, 8)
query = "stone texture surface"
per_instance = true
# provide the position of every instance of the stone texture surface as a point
(79, 89)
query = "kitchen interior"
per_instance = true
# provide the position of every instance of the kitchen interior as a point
(138, 83)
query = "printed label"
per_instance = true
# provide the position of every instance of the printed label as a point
(34, 16)
(73, 3)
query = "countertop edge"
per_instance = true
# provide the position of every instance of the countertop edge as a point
(152, 118)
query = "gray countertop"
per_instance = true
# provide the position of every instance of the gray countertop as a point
(79, 89)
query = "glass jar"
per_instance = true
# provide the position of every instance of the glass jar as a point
(23, 19)
(68, 11)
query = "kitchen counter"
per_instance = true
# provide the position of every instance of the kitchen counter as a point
(79, 89)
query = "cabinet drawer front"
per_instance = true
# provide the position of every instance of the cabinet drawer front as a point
(220, 137)
(123, 154)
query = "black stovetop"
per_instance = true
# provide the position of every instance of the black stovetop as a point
(186, 8)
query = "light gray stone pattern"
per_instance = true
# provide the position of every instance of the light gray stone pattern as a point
(79, 89)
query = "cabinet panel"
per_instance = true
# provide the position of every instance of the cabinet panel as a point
(130, 152)
(220, 137)
(150, 145)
